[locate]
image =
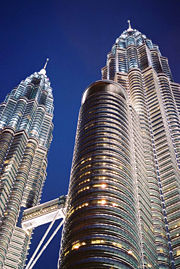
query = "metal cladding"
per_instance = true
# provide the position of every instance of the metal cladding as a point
(101, 203)
(25, 136)
(123, 204)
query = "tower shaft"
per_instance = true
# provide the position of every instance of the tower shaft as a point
(124, 195)
(25, 136)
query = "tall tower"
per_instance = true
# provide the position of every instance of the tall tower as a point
(25, 136)
(123, 205)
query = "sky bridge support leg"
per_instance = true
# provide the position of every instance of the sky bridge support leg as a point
(33, 260)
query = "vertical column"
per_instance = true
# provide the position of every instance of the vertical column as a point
(101, 224)
(163, 153)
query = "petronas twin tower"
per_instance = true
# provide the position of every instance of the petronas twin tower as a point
(123, 204)
(25, 136)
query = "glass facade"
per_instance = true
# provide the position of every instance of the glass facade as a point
(102, 226)
(123, 205)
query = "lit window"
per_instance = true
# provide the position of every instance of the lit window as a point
(66, 253)
(103, 186)
(78, 245)
(98, 241)
(117, 245)
(102, 202)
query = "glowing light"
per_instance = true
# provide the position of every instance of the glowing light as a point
(103, 186)
(117, 245)
(97, 241)
(102, 202)
(77, 245)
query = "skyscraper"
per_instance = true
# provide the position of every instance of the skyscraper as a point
(123, 204)
(25, 136)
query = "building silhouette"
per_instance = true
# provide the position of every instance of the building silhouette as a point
(123, 203)
(25, 136)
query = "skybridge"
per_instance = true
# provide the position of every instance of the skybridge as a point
(41, 214)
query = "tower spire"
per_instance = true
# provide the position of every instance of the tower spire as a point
(43, 71)
(47, 60)
(129, 23)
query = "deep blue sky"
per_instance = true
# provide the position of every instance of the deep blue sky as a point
(76, 36)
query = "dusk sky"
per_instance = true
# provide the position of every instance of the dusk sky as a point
(76, 36)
